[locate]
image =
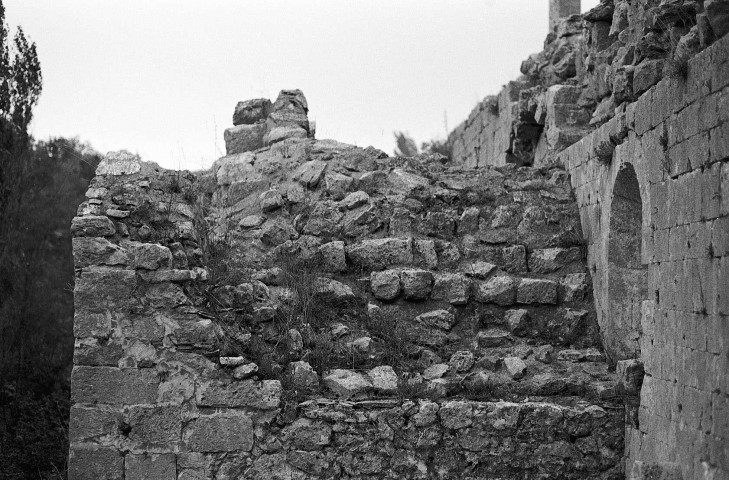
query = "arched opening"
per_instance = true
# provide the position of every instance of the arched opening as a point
(626, 276)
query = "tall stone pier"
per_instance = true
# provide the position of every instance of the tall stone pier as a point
(560, 9)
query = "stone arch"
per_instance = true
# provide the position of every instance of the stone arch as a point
(627, 276)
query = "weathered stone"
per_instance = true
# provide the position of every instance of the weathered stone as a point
(571, 355)
(647, 74)
(237, 169)
(427, 414)
(154, 426)
(533, 290)
(149, 465)
(500, 290)
(718, 13)
(515, 366)
(277, 231)
(630, 376)
(113, 386)
(456, 414)
(119, 163)
(462, 361)
(271, 200)
(264, 394)
(468, 223)
(242, 372)
(416, 284)
(544, 353)
(574, 287)
(337, 184)
(92, 226)
(324, 220)
(479, 269)
(332, 291)
(552, 259)
(492, 338)
(442, 319)
(378, 254)
(303, 375)
(514, 259)
(407, 182)
(94, 463)
(310, 173)
(233, 361)
(98, 251)
(424, 254)
(436, 371)
(656, 471)
(383, 378)
(333, 255)
(174, 275)
(251, 221)
(243, 138)
(439, 225)
(517, 320)
(251, 111)
(346, 383)
(88, 423)
(221, 432)
(451, 287)
(385, 285)
(149, 256)
(305, 434)
(355, 199)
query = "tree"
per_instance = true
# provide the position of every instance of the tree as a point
(20, 72)
(406, 146)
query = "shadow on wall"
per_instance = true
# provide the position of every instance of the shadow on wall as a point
(626, 277)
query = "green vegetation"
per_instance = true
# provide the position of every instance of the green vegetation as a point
(41, 185)
(406, 146)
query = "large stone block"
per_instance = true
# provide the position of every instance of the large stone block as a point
(264, 394)
(90, 423)
(92, 226)
(251, 111)
(385, 285)
(346, 383)
(244, 138)
(95, 464)
(221, 432)
(310, 173)
(113, 386)
(98, 289)
(98, 251)
(533, 290)
(150, 466)
(416, 284)
(154, 427)
(500, 290)
(149, 256)
(451, 287)
(377, 254)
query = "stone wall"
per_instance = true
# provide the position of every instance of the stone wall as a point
(310, 309)
(449, 327)
(592, 66)
(655, 212)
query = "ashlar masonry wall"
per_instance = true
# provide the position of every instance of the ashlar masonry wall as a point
(668, 156)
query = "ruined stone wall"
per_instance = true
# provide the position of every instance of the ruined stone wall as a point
(453, 331)
(592, 67)
(652, 186)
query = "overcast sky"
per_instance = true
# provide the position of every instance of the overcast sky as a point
(161, 77)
